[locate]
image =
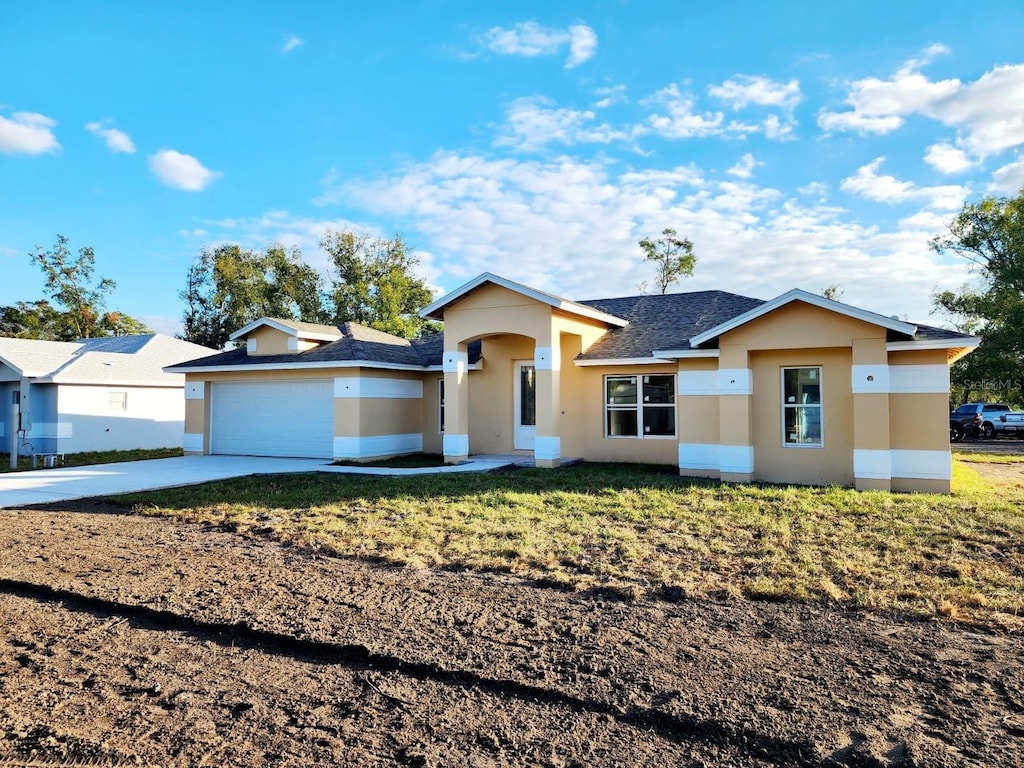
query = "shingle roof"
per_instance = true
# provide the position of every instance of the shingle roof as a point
(138, 359)
(357, 344)
(662, 321)
(655, 322)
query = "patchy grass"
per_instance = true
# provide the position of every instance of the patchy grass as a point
(409, 461)
(636, 529)
(989, 458)
(93, 457)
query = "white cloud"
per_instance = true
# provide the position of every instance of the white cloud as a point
(533, 122)
(181, 171)
(681, 120)
(868, 184)
(756, 89)
(291, 42)
(509, 216)
(582, 45)
(27, 133)
(1009, 180)
(528, 38)
(744, 168)
(117, 141)
(946, 158)
(777, 129)
(614, 94)
(986, 112)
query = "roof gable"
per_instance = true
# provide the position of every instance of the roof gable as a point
(294, 328)
(436, 309)
(906, 329)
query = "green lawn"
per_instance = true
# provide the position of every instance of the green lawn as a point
(642, 530)
(92, 457)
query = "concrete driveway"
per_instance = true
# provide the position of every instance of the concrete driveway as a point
(42, 486)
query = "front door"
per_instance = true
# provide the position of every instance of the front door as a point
(525, 405)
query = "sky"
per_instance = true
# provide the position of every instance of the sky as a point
(796, 144)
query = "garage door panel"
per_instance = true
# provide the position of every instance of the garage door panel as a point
(273, 418)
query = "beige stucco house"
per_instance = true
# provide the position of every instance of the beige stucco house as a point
(799, 389)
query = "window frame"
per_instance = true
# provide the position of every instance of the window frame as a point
(122, 397)
(440, 406)
(820, 405)
(639, 406)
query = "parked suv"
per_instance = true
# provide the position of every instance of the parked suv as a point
(975, 419)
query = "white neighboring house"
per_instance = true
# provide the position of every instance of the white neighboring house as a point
(100, 394)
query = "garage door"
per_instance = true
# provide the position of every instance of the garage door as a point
(273, 418)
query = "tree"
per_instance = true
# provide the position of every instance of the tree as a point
(69, 282)
(77, 311)
(229, 286)
(372, 283)
(990, 235)
(832, 292)
(32, 320)
(674, 258)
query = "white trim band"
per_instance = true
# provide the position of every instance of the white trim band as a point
(547, 359)
(192, 442)
(456, 445)
(872, 465)
(377, 445)
(738, 459)
(44, 430)
(697, 383)
(735, 381)
(195, 390)
(870, 379)
(377, 387)
(250, 346)
(699, 456)
(919, 379)
(924, 465)
(547, 448)
(455, 362)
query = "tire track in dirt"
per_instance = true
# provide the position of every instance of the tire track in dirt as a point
(359, 658)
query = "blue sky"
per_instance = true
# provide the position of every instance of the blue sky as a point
(796, 144)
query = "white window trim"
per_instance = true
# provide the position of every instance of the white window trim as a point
(638, 407)
(440, 406)
(820, 406)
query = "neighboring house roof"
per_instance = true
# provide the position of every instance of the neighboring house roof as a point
(357, 345)
(138, 359)
(436, 310)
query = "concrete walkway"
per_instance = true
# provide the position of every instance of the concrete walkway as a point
(42, 486)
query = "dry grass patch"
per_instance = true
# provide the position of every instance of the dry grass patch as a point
(643, 529)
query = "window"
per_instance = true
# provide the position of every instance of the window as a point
(118, 401)
(640, 406)
(440, 405)
(801, 407)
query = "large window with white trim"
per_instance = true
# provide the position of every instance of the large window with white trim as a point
(640, 406)
(801, 407)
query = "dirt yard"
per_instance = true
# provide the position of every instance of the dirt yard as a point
(137, 641)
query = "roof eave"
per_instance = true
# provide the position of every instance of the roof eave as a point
(435, 311)
(908, 329)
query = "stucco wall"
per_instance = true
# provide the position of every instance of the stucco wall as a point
(270, 341)
(85, 420)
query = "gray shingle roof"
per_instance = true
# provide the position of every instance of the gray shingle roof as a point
(655, 322)
(663, 321)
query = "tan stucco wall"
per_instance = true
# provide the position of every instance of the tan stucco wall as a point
(270, 341)
(432, 437)
(833, 462)
(372, 416)
(919, 422)
(922, 357)
(491, 393)
(583, 420)
(492, 310)
(801, 326)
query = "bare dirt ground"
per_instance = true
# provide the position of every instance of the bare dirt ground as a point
(135, 641)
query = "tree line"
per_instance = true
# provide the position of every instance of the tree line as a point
(371, 280)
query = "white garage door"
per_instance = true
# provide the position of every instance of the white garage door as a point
(273, 418)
